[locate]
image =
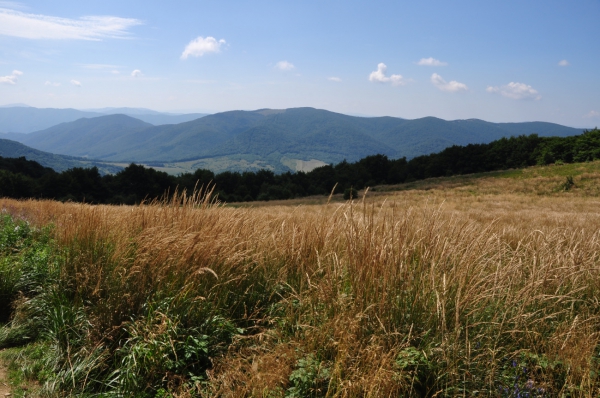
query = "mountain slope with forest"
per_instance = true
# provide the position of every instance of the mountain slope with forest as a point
(274, 137)
(13, 149)
(136, 182)
(76, 138)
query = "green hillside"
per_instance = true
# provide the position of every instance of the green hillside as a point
(189, 140)
(136, 182)
(86, 137)
(273, 139)
(13, 149)
(160, 119)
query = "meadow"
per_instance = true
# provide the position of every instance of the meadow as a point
(481, 285)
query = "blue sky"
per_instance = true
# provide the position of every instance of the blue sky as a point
(502, 61)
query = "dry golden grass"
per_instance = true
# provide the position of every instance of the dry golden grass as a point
(458, 278)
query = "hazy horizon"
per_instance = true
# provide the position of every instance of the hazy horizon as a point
(184, 112)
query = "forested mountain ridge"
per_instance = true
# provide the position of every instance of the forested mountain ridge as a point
(13, 149)
(21, 179)
(272, 135)
(99, 133)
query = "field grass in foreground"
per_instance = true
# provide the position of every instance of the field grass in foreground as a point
(473, 287)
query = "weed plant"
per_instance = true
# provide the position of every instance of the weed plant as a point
(422, 294)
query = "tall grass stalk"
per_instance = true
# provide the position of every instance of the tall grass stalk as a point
(373, 298)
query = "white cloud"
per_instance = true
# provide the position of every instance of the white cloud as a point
(592, 114)
(334, 79)
(53, 84)
(431, 62)
(284, 65)
(379, 76)
(36, 26)
(564, 62)
(451, 87)
(136, 73)
(98, 66)
(200, 46)
(76, 83)
(516, 91)
(12, 78)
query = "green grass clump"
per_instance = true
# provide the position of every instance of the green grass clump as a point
(191, 299)
(26, 266)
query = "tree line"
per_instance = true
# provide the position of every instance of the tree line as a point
(21, 178)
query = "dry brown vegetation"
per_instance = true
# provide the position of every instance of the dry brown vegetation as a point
(473, 288)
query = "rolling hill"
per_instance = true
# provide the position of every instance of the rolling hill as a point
(149, 116)
(13, 149)
(271, 138)
(76, 138)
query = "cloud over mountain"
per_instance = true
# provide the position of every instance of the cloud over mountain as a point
(431, 62)
(515, 90)
(592, 114)
(379, 76)
(452, 86)
(12, 78)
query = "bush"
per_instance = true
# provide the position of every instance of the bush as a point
(568, 184)
(309, 379)
(350, 193)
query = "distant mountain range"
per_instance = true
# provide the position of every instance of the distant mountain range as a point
(20, 118)
(281, 140)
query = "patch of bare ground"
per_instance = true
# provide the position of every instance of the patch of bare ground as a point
(4, 388)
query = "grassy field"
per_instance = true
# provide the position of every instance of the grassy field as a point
(469, 286)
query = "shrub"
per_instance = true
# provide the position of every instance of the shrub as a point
(568, 184)
(350, 193)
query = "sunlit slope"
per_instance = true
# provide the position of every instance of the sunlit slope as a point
(488, 287)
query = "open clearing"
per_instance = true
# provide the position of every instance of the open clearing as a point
(457, 286)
